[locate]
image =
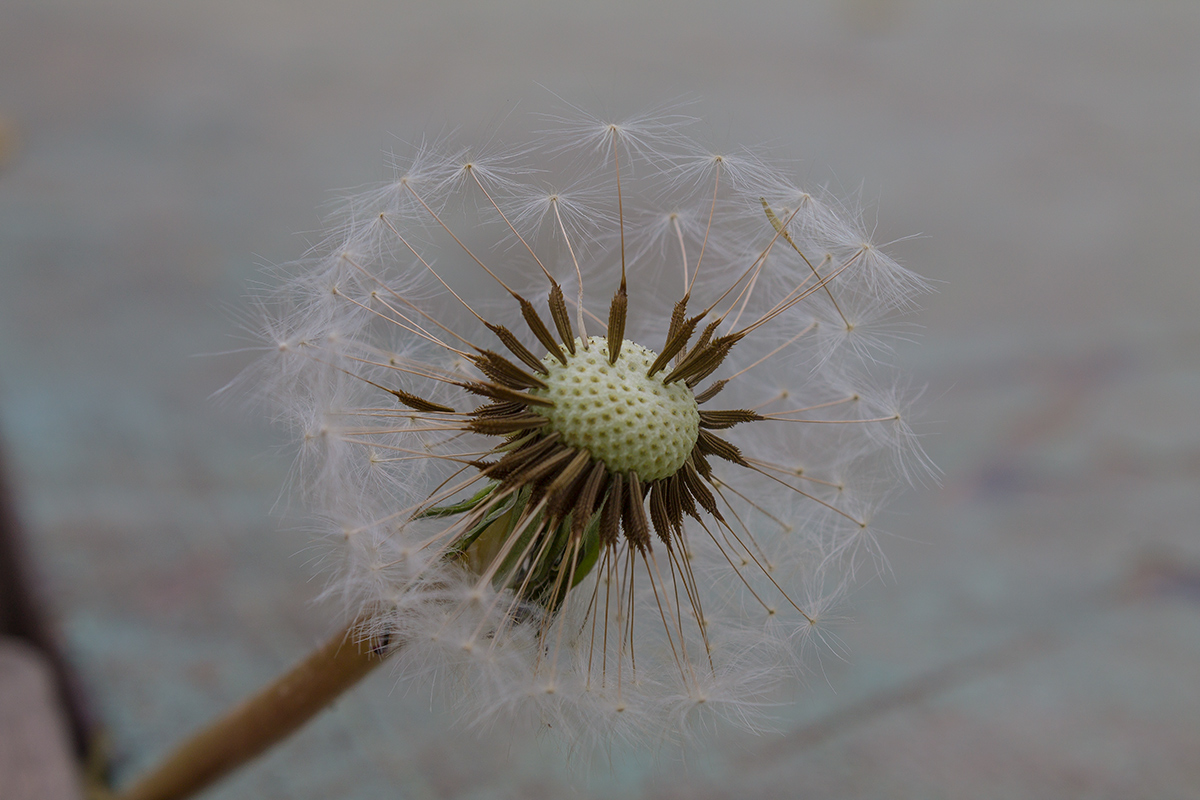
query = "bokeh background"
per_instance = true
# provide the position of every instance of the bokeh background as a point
(1038, 634)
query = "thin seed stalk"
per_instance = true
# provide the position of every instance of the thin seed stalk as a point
(262, 720)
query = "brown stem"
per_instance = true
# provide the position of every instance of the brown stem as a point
(262, 720)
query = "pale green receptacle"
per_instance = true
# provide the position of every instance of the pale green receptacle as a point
(631, 422)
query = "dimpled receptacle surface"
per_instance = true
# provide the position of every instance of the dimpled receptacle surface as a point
(628, 421)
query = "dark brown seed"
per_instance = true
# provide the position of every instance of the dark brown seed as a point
(701, 494)
(705, 336)
(686, 363)
(677, 315)
(674, 344)
(502, 426)
(719, 420)
(686, 504)
(501, 370)
(658, 513)
(498, 392)
(539, 329)
(616, 323)
(711, 392)
(514, 460)
(712, 445)
(561, 493)
(702, 363)
(562, 320)
(499, 409)
(610, 517)
(509, 340)
(674, 494)
(538, 468)
(418, 403)
(585, 502)
(410, 400)
(720, 349)
(637, 527)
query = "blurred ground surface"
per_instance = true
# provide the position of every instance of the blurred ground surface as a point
(1039, 634)
(35, 753)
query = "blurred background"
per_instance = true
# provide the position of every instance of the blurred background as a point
(1038, 634)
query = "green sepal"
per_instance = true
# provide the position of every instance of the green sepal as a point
(461, 507)
(541, 587)
(514, 570)
(512, 560)
(517, 501)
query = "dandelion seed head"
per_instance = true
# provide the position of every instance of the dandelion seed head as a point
(597, 426)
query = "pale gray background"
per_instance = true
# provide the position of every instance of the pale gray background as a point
(1040, 632)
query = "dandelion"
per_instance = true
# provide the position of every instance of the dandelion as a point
(596, 426)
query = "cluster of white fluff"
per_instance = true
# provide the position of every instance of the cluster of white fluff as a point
(392, 291)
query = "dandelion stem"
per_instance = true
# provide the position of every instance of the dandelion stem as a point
(262, 720)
